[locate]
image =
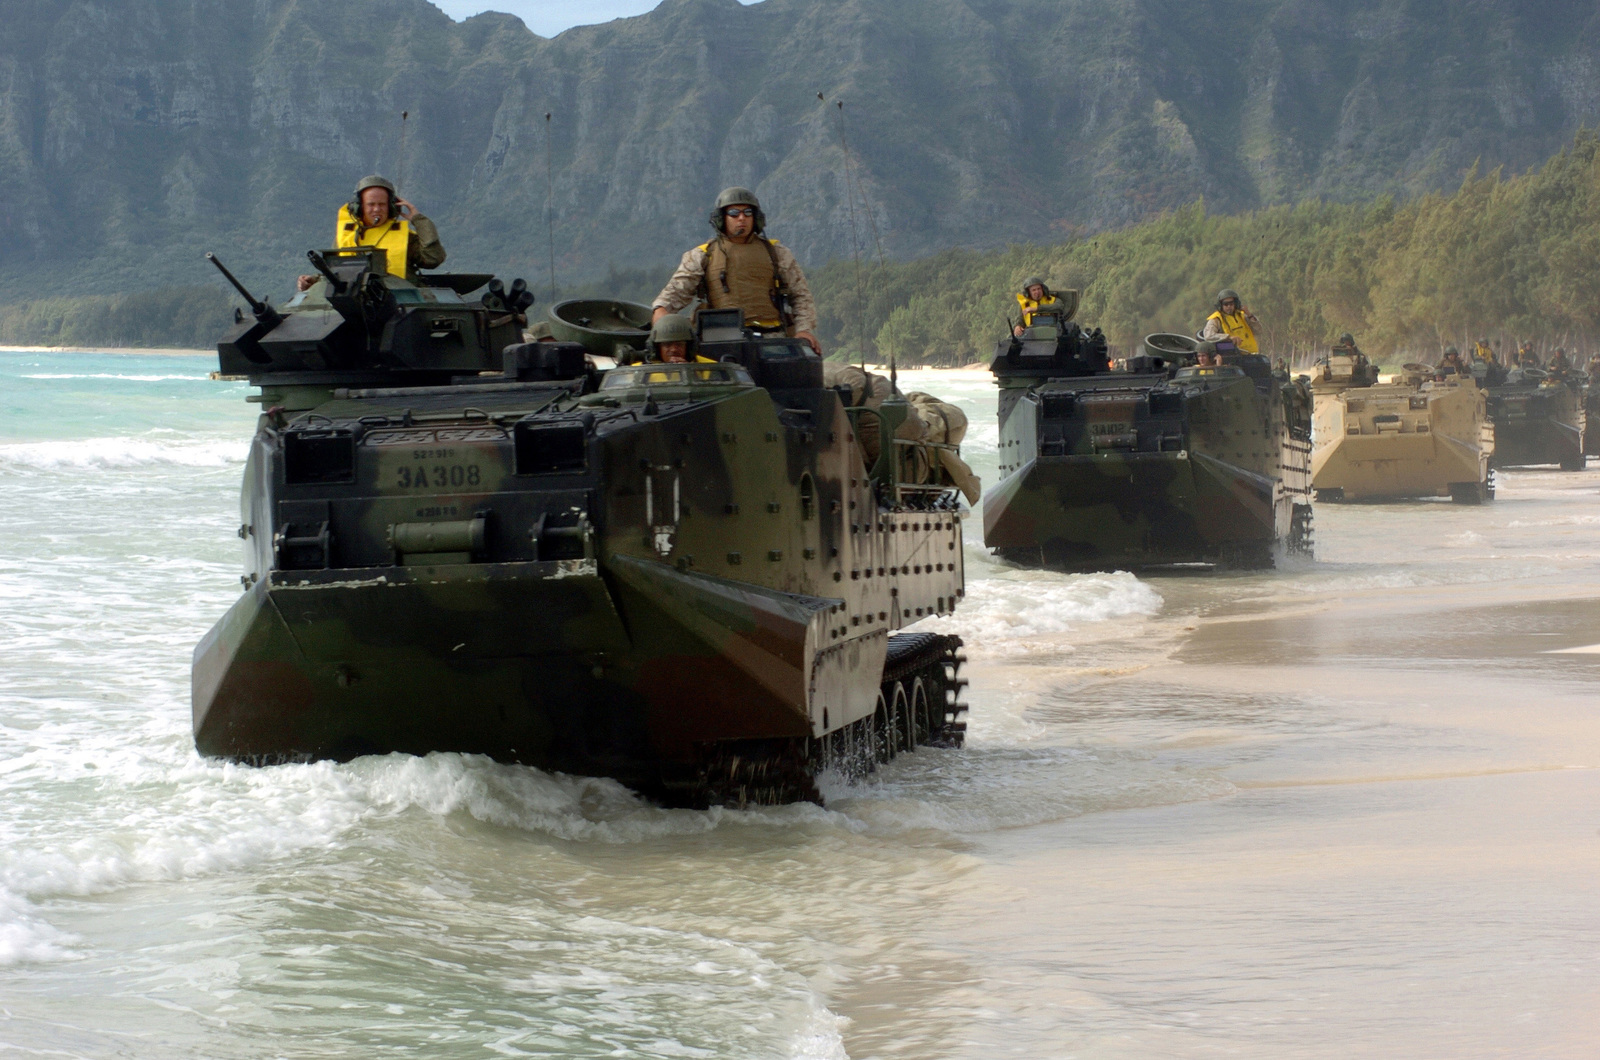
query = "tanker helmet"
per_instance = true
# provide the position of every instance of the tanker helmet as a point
(1347, 339)
(375, 181)
(1031, 281)
(672, 328)
(372, 181)
(737, 197)
(1225, 294)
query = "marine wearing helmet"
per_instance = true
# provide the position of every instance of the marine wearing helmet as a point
(742, 267)
(1034, 296)
(672, 341)
(1451, 364)
(1232, 319)
(376, 216)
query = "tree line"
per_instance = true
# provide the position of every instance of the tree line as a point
(1507, 259)
(1510, 259)
(181, 317)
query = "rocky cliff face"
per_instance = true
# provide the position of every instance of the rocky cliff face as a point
(134, 134)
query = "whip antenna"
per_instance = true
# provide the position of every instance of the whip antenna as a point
(549, 205)
(400, 170)
(855, 234)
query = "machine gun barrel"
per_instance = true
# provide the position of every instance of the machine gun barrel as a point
(320, 264)
(262, 310)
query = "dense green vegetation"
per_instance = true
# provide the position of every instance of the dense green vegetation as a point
(187, 317)
(1509, 259)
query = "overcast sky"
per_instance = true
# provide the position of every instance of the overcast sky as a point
(549, 17)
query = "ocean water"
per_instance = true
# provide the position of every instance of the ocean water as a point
(1342, 808)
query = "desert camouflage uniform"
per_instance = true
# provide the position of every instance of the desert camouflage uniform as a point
(684, 287)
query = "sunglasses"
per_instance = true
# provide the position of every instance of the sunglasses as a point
(738, 211)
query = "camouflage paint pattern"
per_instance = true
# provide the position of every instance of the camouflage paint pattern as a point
(1126, 470)
(1538, 424)
(604, 581)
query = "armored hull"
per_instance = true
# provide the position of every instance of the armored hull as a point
(1537, 423)
(681, 576)
(1146, 468)
(1403, 439)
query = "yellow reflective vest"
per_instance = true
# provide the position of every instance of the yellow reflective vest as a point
(1238, 329)
(1029, 307)
(392, 237)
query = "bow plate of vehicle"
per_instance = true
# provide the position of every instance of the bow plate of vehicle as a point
(682, 576)
(1538, 419)
(1417, 436)
(1159, 463)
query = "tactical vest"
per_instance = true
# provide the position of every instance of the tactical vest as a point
(1029, 306)
(1238, 329)
(745, 275)
(393, 238)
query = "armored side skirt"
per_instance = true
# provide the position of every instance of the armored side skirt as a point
(629, 671)
(1132, 510)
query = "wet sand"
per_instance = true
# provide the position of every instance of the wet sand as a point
(1400, 853)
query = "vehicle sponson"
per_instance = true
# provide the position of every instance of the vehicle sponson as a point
(673, 575)
(1416, 437)
(1538, 423)
(1149, 467)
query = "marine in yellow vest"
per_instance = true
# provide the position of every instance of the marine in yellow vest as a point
(1232, 320)
(378, 217)
(742, 267)
(1033, 296)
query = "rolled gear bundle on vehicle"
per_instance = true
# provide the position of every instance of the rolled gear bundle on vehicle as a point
(867, 390)
(945, 423)
(931, 420)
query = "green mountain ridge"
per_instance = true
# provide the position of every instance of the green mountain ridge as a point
(136, 135)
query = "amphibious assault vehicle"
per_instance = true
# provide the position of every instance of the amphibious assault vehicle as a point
(1159, 463)
(683, 576)
(1418, 436)
(1538, 419)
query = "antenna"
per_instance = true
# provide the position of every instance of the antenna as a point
(855, 238)
(549, 205)
(400, 170)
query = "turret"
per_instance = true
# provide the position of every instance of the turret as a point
(360, 326)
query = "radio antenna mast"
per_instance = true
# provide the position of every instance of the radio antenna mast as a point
(855, 232)
(400, 170)
(549, 205)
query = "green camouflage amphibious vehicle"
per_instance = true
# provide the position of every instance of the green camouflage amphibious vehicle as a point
(1538, 419)
(683, 576)
(1160, 463)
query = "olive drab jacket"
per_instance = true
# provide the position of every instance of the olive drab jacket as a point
(408, 245)
(748, 275)
(1029, 306)
(1236, 327)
